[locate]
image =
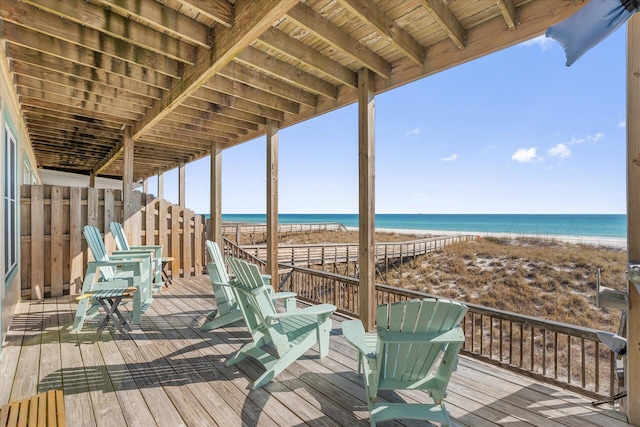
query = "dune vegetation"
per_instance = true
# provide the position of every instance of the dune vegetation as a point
(537, 277)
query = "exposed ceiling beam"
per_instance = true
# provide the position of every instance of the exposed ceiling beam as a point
(243, 91)
(367, 11)
(281, 42)
(162, 19)
(222, 99)
(290, 74)
(251, 20)
(208, 118)
(107, 22)
(447, 21)
(218, 10)
(82, 45)
(334, 36)
(109, 158)
(238, 72)
(509, 13)
(118, 75)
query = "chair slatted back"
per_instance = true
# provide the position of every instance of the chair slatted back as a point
(406, 333)
(118, 234)
(218, 272)
(98, 250)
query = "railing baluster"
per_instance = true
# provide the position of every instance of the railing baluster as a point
(568, 359)
(583, 370)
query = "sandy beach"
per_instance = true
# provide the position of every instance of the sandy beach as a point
(583, 240)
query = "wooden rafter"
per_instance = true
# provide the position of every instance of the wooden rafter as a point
(163, 19)
(446, 20)
(370, 13)
(217, 10)
(281, 42)
(251, 20)
(329, 33)
(508, 10)
(110, 23)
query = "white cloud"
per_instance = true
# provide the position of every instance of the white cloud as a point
(559, 150)
(525, 155)
(415, 131)
(575, 140)
(595, 138)
(545, 43)
(489, 148)
(622, 124)
(450, 158)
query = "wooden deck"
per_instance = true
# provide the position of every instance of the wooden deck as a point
(172, 374)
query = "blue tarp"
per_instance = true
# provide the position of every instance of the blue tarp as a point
(590, 25)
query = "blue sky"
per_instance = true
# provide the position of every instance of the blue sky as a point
(514, 132)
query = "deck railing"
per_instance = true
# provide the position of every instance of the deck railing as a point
(565, 355)
(332, 253)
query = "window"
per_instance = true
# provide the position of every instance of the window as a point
(10, 208)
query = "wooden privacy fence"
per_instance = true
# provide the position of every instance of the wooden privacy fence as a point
(54, 253)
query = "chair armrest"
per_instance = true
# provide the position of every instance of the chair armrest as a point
(353, 332)
(157, 249)
(307, 311)
(283, 295)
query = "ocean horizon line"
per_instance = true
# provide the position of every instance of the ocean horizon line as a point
(567, 225)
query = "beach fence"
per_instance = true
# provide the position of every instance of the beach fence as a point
(257, 233)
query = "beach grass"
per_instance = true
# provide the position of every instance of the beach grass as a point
(539, 277)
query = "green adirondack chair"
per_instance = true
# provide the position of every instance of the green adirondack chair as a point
(291, 333)
(227, 310)
(153, 251)
(112, 272)
(415, 347)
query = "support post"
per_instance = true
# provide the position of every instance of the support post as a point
(160, 186)
(215, 207)
(92, 180)
(181, 186)
(272, 202)
(366, 206)
(632, 369)
(127, 184)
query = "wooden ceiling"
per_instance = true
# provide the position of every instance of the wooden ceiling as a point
(180, 75)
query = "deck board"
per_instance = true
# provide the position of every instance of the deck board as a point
(171, 373)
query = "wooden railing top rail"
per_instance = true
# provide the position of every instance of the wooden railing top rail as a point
(331, 245)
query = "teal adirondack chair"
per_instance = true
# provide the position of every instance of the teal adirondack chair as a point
(153, 251)
(227, 310)
(291, 333)
(112, 272)
(415, 347)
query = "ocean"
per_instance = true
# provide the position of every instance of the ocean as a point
(587, 225)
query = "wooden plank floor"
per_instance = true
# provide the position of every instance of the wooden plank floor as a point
(173, 374)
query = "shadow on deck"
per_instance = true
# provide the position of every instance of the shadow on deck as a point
(172, 374)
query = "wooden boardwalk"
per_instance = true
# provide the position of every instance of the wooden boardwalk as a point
(173, 374)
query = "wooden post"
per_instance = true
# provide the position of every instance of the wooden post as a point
(145, 186)
(92, 180)
(632, 371)
(272, 202)
(127, 185)
(215, 208)
(181, 186)
(366, 207)
(160, 186)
